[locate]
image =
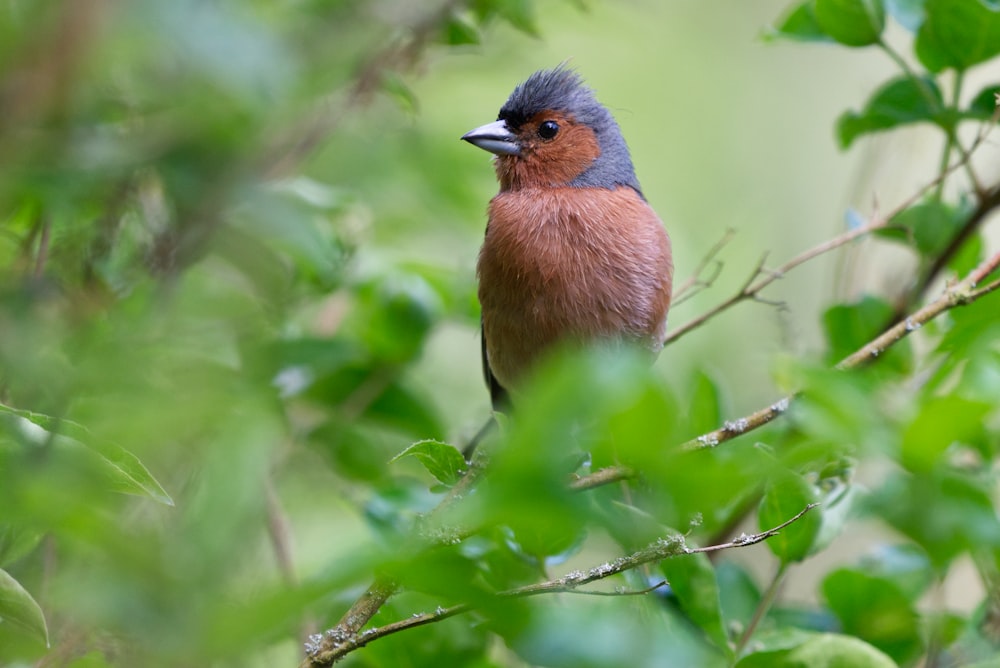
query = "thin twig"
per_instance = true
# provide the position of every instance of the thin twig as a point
(601, 477)
(326, 649)
(695, 283)
(960, 294)
(365, 607)
(762, 607)
(752, 287)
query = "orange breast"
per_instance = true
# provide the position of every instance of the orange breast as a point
(567, 263)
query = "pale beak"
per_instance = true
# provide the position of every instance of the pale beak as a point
(495, 138)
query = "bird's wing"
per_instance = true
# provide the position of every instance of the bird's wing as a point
(498, 394)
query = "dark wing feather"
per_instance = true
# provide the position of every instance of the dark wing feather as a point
(498, 394)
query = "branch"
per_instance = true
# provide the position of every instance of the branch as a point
(960, 294)
(989, 201)
(324, 650)
(752, 287)
(365, 607)
(346, 636)
(695, 283)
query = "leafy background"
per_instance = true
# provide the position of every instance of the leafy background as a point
(238, 279)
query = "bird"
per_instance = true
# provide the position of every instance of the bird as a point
(573, 253)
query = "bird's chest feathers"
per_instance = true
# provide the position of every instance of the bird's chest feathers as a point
(538, 240)
(557, 252)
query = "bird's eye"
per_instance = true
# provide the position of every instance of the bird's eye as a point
(548, 129)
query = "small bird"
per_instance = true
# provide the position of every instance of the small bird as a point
(572, 253)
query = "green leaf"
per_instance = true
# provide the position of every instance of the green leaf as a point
(518, 13)
(460, 30)
(17, 542)
(441, 460)
(819, 650)
(739, 595)
(848, 327)
(851, 22)
(705, 413)
(931, 225)
(786, 495)
(958, 34)
(942, 422)
(955, 512)
(901, 101)
(20, 610)
(905, 565)
(984, 104)
(875, 610)
(692, 579)
(125, 473)
(838, 507)
(800, 24)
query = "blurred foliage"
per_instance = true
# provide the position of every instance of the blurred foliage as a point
(199, 325)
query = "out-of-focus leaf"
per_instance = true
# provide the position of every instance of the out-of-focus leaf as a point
(984, 104)
(849, 327)
(15, 543)
(406, 409)
(593, 632)
(800, 24)
(460, 30)
(942, 422)
(786, 495)
(955, 512)
(901, 101)
(401, 92)
(838, 505)
(441, 460)
(932, 225)
(739, 595)
(19, 609)
(395, 315)
(125, 473)
(967, 353)
(518, 13)
(840, 411)
(874, 610)
(705, 413)
(821, 650)
(450, 643)
(851, 22)
(958, 34)
(692, 580)
(905, 565)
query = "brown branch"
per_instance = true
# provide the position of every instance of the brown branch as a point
(695, 283)
(332, 644)
(365, 607)
(989, 201)
(752, 287)
(346, 636)
(324, 650)
(601, 477)
(959, 294)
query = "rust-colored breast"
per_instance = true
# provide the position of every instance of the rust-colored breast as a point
(570, 264)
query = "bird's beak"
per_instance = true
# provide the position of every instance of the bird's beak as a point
(495, 138)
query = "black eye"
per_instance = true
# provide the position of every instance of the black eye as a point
(548, 129)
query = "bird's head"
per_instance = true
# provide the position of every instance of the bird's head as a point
(552, 131)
